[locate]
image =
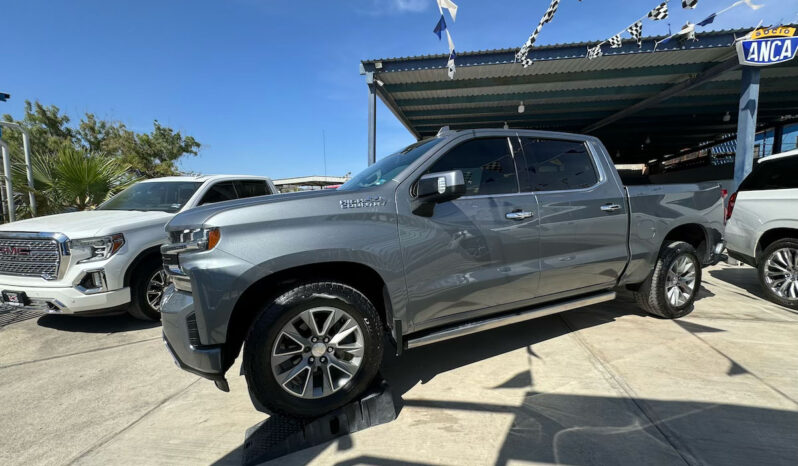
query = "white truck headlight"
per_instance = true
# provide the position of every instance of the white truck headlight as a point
(96, 249)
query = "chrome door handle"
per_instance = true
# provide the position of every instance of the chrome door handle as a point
(610, 207)
(517, 215)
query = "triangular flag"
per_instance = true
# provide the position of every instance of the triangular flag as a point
(450, 64)
(449, 38)
(440, 27)
(449, 5)
(708, 20)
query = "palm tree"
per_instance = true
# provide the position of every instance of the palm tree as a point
(70, 179)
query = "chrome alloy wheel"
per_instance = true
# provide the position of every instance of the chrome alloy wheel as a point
(781, 273)
(680, 284)
(155, 287)
(317, 352)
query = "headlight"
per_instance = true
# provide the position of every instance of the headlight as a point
(96, 249)
(201, 239)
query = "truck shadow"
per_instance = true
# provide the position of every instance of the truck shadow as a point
(421, 365)
(95, 324)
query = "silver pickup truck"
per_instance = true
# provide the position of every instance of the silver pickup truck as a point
(460, 233)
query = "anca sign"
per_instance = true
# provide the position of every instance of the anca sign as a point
(768, 47)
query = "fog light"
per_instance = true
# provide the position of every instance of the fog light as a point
(92, 282)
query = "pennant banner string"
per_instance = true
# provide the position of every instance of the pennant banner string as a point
(689, 28)
(451, 7)
(522, 55)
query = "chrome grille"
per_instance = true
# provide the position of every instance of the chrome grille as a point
(30, 257)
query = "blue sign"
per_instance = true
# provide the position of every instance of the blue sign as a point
(764, 52)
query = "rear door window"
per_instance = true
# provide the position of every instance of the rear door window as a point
(223, 191)
(775, 174)
(555, 165)
(251, 188)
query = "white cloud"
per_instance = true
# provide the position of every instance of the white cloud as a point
(410, 5)
(383, 7)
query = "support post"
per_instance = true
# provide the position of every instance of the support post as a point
(746, 124)
(778, 135)
(28, 166)
(29, 170)
(372, 155)
(9, 192)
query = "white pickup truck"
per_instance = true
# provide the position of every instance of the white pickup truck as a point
(108, 259)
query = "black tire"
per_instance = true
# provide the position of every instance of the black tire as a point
(266, 392)
(140, 307)
(771, 295)
(651, 296)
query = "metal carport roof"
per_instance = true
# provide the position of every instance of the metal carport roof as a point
(675, 97)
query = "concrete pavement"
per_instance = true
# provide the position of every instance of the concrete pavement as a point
(600, 385)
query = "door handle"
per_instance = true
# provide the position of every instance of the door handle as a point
(610, 207)
(519, 215)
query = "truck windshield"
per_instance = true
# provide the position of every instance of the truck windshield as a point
(388, 167)
(166, 196)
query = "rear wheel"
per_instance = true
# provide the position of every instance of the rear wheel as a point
(671, 288)
(146, 289)
(315, 348)
(778, 272)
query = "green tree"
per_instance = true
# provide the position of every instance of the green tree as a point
(72, 179)
(148, 154)
(142, 154)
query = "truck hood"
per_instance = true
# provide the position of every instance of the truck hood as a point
(303, 202)
(90, 223)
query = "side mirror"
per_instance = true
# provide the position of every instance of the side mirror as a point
(441, 187)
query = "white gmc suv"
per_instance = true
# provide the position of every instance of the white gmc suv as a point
(103, 260)
(762, 225)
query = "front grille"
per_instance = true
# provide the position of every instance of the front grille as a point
(29, 257)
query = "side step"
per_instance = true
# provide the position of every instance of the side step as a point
(515, 317)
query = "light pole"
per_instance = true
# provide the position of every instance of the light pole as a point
(26, 150)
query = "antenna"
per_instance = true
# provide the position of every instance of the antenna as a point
(324, 150)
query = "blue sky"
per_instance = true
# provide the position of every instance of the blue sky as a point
(257, 81)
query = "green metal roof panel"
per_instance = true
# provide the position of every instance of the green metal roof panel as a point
(565, 91)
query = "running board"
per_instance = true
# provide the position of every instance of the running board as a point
(519, 316)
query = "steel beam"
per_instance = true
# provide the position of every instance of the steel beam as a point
(9, 191)
(713, 72)
(746, 124)
(372, 135)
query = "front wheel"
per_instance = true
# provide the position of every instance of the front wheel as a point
(146, 289)
(778, 272)
(314, 349)
(671, 288)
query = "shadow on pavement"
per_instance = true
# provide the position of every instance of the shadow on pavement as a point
(422, 364)
(741, 277)
(584, 429)
(594, 430)
(95, 324)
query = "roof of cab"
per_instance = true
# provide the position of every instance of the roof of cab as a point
(781, 155)
(204, 178)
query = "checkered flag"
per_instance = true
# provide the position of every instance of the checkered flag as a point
(660, 12)
(689, 3)
(521, 56)
(615, 41)
(594, 52)
(549, 14)
(450, 64)
(636, 30)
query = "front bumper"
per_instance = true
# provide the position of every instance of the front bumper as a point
(181, 337)
(69, 300)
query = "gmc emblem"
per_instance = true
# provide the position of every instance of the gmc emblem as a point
(14, 251)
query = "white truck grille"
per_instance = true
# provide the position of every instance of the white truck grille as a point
(30, 257)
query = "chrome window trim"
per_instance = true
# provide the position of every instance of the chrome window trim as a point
(62, 243)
